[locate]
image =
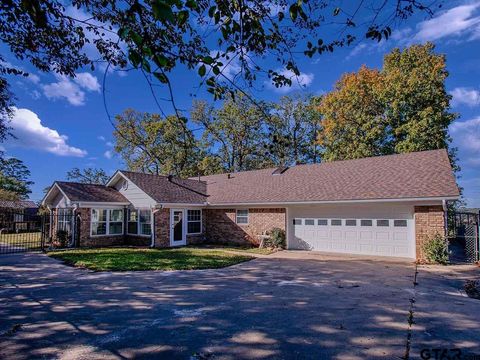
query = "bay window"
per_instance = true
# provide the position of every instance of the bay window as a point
(107, 221)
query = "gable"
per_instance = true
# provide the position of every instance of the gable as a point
(136, 196)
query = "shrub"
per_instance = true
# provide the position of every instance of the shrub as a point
(277, 238)
(62, 238)
(435, 249)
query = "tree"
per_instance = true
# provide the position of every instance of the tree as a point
(156, 36)
(404, 107)
(14, 175)
(292, 131)
(149, 143)
(353, 124)
(233, 132)
(88, 176)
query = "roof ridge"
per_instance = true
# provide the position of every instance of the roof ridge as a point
(81, 183)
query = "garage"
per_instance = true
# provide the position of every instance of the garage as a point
(362, 229)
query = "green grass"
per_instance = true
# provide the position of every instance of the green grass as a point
(128, 259)
(260, 251)
(25, 240)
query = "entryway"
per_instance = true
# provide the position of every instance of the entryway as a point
(177, 227)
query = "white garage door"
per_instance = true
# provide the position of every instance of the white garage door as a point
(354, 235)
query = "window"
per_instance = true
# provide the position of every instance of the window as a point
(99, 222)
(351, 222)
(242, 216)
(107, 221)
(400, 223)
(64, 219)
(309, 222)
(366, 222)
(139, 222)
(336, 222)
(322, 222)
(194, 221)
(297, 221)
(383, 223)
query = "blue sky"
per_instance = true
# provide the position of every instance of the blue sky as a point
(61, 123)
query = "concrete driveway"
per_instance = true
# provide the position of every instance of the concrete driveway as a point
(293, 305)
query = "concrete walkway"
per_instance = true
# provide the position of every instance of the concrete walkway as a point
(289, 305)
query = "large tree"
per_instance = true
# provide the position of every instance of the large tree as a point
(14, 179)
(88, 175)
(233, 133)
(403, 107)
(154, 144)
(292, 131)
(211, 37)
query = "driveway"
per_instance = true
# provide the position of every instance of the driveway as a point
(293, 305)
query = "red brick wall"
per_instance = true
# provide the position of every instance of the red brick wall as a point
(429, 220)
(162, 228)
(221, 226)
(85, 240)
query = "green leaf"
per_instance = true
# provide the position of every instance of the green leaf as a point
(162, 11)
(216, 70)
(161, 60)
(336, 11)
(211, 11)
(146, 66)
(293, 11)
(202, 70)
(134, 58)
(191, 4)
(182, 17)
(208, 60)
(161, 77)
(123, 33)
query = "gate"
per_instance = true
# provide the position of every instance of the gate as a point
(25, 232)
(464, 234)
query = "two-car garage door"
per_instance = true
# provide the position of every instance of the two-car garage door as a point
(383, 230)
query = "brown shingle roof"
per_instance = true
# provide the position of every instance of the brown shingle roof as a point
(17, 204)
(90, 192)
(159, 188)
(415, 175)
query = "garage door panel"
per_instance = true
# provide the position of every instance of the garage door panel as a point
(375, 236)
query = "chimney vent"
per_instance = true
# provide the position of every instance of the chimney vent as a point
(170, 177)
(279, 170)
(229, 176)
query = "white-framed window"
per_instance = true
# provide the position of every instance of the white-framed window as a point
(194, 221)
(242, 216)
(106, 222)
(64, 219)
(139, 222)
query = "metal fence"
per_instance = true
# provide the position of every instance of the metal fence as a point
(464, 235)
(22, 232)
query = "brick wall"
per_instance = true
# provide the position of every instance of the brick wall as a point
(429, 220)
(85, 240)
(162, 228)
(221, 226)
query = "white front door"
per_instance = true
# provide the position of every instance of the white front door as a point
(177, 227)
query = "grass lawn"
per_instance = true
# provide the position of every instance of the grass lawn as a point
(129, 259)
(26, 240)
(251, 250)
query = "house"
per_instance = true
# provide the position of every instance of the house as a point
(385, 206)
(17, 215)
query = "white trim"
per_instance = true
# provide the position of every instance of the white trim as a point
(332, 202)
(171, 205)
(138, 222)
(287, 229)
(55, 184)
(183, 242)
(107, 223)
(236, 217)
(201, 222)
(102, 205)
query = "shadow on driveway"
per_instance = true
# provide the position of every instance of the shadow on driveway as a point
(290, 306)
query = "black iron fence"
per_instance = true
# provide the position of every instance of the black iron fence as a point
(22, 232)
(464, 235)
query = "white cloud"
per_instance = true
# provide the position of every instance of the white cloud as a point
(32, 134)
(298, 82)
(71, 89)
(101, 138)
(467, 96)
(33, 78)
(463, 20)
(87, 81)
(108, 154)
(466, 134)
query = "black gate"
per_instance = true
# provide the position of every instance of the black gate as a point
(464, 234)
(23, 232)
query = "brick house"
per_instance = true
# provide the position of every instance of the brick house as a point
(384, 206)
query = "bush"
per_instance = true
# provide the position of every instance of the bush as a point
(62, 238)
(277, 239)
(435, 249)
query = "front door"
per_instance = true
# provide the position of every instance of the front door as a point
(177, 227)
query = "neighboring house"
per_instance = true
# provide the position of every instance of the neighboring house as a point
(15, 215)
(386, 205)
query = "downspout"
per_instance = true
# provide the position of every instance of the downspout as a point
(445, 217)
(74, 230)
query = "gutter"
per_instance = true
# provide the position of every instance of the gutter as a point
(154, 211)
